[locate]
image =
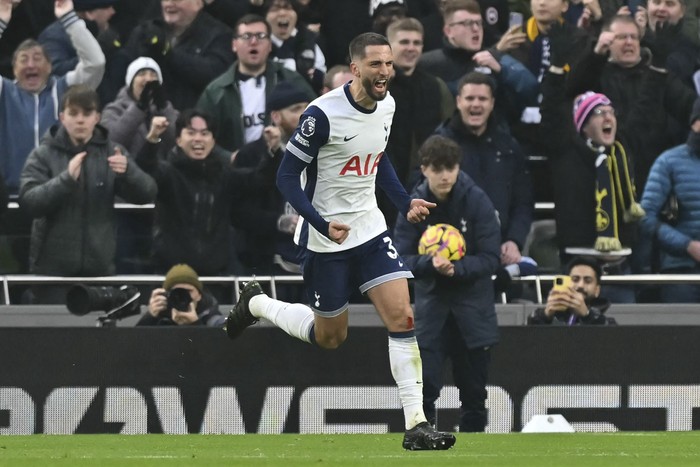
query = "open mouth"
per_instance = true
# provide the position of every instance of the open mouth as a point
(32, 77)
(608, 130)
(198, 149)
(380, 85)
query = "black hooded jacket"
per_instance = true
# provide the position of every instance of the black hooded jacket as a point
(198, 201)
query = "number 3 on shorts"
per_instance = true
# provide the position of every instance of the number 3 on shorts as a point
(392, 253)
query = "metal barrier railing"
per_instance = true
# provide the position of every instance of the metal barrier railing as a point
(649, 279)
(541, 207)
(28, 279)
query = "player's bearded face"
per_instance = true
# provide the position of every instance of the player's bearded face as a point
(376, 87)
(376, 70)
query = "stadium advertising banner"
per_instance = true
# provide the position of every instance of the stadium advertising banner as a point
(156, 380)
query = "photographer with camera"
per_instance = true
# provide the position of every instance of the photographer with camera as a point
(576, 301)
(181, 301)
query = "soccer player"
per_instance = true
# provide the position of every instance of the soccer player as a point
(338, 150)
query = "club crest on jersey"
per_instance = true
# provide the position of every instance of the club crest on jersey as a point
(360, 167)
(308, 126)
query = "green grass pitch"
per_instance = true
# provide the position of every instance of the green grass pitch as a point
(637, 449)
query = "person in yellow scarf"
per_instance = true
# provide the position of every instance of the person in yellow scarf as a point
(615, 194)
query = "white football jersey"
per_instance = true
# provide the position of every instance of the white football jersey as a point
(342, 143)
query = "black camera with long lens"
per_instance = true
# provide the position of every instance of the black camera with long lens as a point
(179, 299)
(118, 302)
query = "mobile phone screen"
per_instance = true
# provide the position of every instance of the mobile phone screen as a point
(515, 19)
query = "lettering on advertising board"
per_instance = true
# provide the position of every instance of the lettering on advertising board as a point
(64, 410)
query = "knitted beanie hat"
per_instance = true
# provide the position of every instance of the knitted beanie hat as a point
(140, 64)
(284, 94)
(182, 274)
(584, 105)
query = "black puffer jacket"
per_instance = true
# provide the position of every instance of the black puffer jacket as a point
(198, 201)
(74, 227)
(199, 55)
(495, 161)
(468, 295)
(596, 315)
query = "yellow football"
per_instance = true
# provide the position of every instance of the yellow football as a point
(444, 240)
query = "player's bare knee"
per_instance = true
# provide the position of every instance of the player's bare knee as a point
(401, 322)
(331, 341)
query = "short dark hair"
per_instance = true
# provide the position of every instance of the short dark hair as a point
(267, 4)
(586, 261)
(26, 45)
(440, 152)
(185, 118)
(360, 43)
(620, 19)
(251, 19)
(80, 96)
(475, 77)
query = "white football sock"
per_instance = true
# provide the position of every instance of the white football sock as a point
(293, 318)
(407, 369)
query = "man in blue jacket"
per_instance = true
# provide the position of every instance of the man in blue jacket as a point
(29, 105)
(57, 45)
(675, 173)
(454, 311)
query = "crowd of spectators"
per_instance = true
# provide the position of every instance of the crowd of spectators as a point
(198, 98)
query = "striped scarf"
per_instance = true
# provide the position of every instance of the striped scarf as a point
(614, 193)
